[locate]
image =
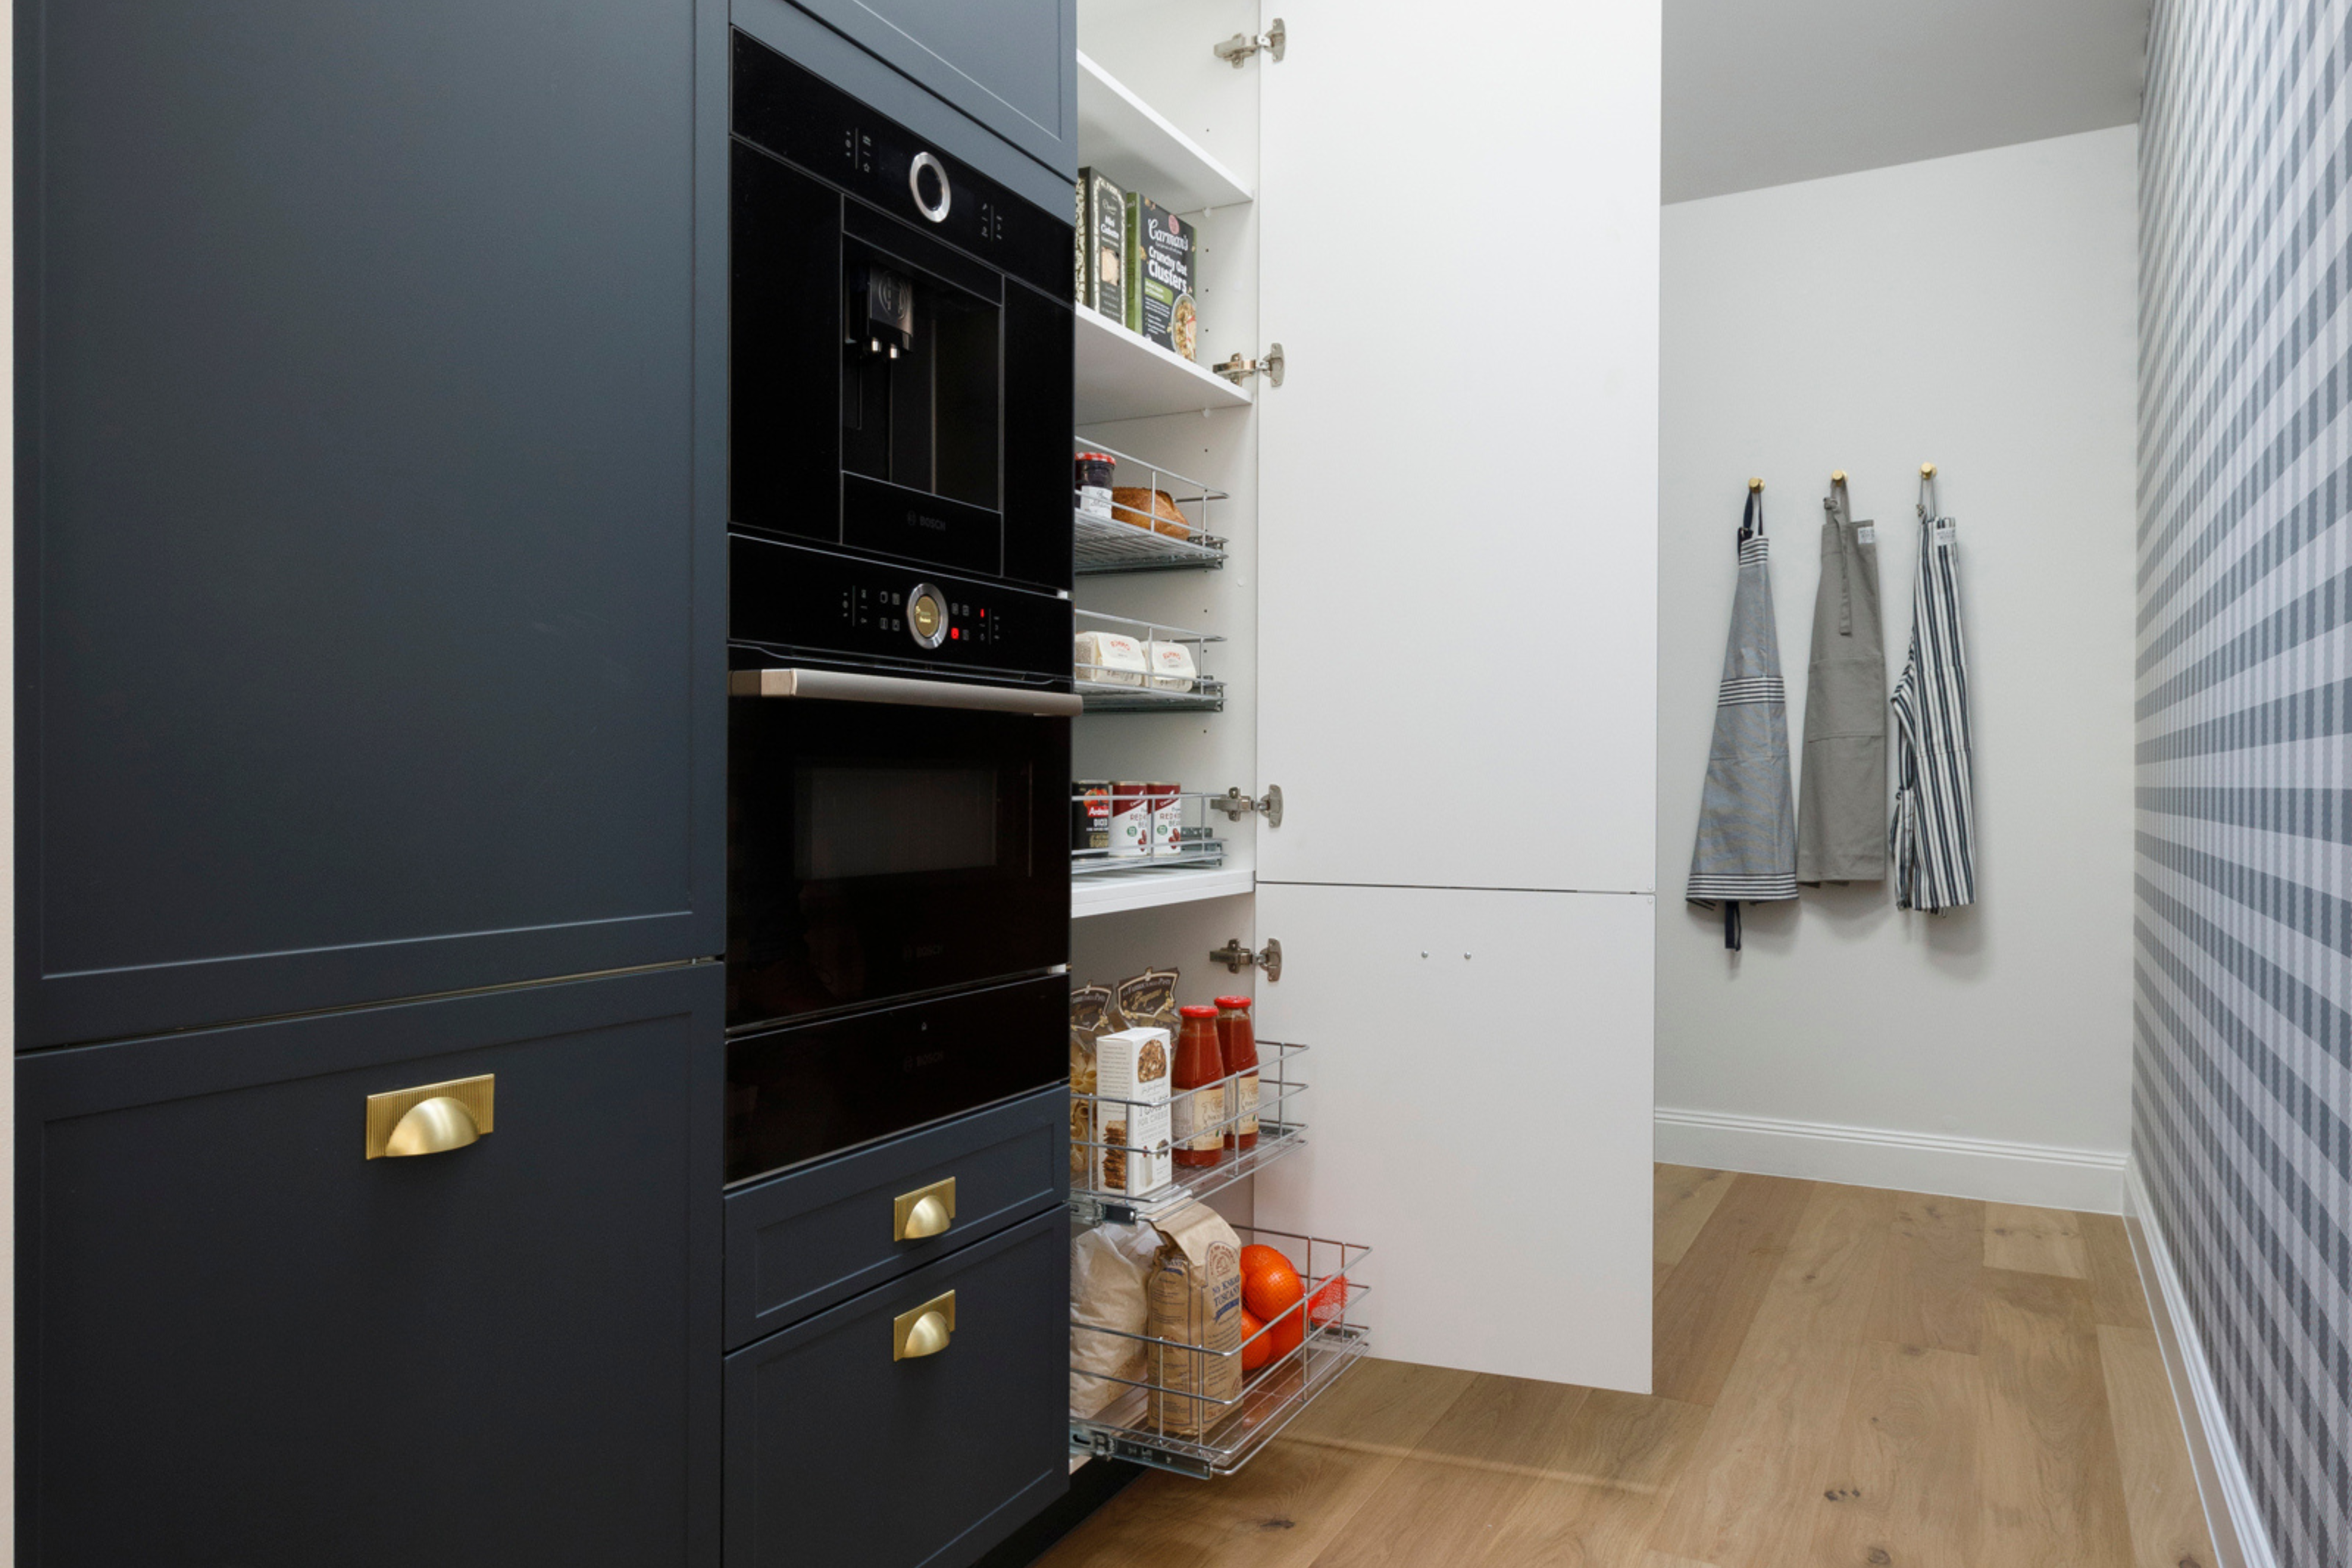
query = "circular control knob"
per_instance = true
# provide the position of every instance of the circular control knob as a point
(927, 615)
(927, 178)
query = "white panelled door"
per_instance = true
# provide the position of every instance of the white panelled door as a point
(1457, 500)
(1458, 476)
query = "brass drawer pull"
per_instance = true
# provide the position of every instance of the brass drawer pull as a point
(925, 1212)
(430, 1118)
(923, 1330)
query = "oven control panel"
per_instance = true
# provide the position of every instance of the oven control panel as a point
(792, 596)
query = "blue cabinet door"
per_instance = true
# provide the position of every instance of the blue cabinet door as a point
(371, 445)
(242, 1341)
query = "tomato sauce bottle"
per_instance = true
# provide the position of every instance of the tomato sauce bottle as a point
(1198, 1110)
(1237, 1044)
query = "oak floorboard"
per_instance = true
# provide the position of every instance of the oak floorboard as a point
(2117, 1296)
(1290, 1500)
(1607, 1482)
(1927, 1281)
(1844, 1425)
(1704, 1306)
(2160, 1503)
(2035, 1241)
(1748, 1498)
(1444, 1503)
(2048, 1467)
(1904, 1487)
(1682, 1198)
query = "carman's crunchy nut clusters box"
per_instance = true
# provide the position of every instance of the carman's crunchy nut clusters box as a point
(1132, 1080)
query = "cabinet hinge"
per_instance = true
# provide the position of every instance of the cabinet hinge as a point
(1237, 805)
(1242, 46)
(1238, 370)
(1236, 958)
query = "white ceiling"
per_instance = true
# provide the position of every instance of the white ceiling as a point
(1763, 92)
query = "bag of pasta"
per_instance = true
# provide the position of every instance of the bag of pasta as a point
(1092, 1014)
(1148, 1002)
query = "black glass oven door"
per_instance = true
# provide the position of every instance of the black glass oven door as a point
(801, 1090)
(878, 850)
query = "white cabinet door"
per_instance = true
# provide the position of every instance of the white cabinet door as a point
(1478, 1113)
(1458, 476)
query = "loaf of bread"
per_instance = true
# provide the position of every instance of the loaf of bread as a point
(1149, 509)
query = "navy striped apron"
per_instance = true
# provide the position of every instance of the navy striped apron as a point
(1933, 836)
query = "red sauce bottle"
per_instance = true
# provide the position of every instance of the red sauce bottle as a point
(1198, 1110)
(1237, 1044)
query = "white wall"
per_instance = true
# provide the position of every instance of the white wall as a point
(1977, 311)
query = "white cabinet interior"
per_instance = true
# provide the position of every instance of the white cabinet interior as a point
(1444, 626)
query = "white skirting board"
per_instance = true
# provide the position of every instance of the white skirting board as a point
(2240, 1540)
(2048, 1176)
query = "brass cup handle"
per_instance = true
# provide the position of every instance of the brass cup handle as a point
(925, 1329)
(432, 1127)
(431, 1118)
(925, 1212)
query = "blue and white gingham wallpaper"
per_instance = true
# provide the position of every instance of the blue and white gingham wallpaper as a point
(2242, 1094)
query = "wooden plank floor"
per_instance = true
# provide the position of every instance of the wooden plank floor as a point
(1843, 1375)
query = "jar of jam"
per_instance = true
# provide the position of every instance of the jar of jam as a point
(1094, 475)
(1237, 1044)
(1197, 1111)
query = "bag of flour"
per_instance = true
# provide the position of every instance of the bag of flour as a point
(1195, 1296)
(1108, 1264)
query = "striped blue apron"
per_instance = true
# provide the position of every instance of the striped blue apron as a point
(1747, 844)
(1933, 835)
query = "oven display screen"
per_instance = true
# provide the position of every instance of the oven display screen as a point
(853, 822)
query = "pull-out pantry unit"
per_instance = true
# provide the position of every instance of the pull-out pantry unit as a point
(1412, 474)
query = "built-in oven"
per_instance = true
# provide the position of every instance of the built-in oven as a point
(898, 757)
(899, 628)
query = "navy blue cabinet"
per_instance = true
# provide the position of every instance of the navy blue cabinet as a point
(844, 1448)
(241, 1340)
(371, 457)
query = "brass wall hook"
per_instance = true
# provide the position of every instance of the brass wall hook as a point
(1756, 484)
(1927, 470)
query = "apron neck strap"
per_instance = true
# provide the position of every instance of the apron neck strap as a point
(1751, 521)
(1835, 504)
(1926, 498)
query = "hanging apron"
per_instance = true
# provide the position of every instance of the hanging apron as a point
(1747, 846)
(1842, 790)
(1933, 839)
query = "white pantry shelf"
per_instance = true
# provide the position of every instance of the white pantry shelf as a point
(1132, 143)
(1111, 892)
(1122, 376)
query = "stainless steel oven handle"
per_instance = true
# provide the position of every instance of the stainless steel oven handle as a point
(845, 686)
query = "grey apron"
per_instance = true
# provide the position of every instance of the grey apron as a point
(1841, 791)
(1747, 846)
